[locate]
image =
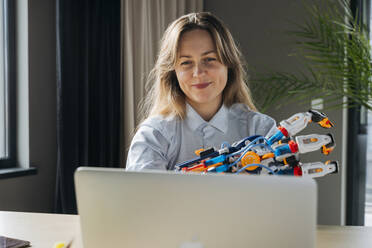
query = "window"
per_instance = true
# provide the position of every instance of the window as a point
(368, 203)
(7, 84)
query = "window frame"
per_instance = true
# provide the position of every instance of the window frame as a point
(10, 82)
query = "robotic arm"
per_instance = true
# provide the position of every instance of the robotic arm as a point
(278, 154)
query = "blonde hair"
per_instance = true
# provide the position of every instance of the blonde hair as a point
(165, 96)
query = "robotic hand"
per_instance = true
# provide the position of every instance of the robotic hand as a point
(297, 123)
(278, 154)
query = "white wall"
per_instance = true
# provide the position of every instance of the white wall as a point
(259, 28)
(37, 139)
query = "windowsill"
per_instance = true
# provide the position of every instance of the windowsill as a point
(17, 172)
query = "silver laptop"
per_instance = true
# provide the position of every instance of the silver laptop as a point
(161, 209)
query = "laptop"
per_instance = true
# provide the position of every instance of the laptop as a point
(151, 209)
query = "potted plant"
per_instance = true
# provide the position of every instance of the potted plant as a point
(336, 55)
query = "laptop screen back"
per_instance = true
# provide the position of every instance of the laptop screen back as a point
(162, 209)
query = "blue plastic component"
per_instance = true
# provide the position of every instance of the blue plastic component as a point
(222, 168)
(285, 172)
(219, 159)
(282, 150)
(276, 137)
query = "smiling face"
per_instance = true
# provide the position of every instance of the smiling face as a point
(201, 75)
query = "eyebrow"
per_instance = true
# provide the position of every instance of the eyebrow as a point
(203, 54)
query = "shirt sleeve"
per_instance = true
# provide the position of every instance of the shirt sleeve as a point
(148, 150)
(271, 127)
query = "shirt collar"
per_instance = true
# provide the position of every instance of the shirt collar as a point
(219, 120)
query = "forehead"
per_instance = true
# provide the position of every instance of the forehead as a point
(195, 42)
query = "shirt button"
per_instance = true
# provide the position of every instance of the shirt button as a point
(206, 129)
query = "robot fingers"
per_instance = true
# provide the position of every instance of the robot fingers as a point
(319, 169)
(320, 118)
(313, 142)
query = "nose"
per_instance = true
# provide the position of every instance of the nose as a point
(199, 69)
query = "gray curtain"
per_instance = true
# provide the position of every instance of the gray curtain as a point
(142, 25)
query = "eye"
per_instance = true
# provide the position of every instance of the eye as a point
(210, 59)
(186, 62)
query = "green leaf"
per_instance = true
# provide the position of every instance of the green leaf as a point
(336, 56)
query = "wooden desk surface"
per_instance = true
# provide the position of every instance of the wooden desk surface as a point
(44, 230)
(344, 236)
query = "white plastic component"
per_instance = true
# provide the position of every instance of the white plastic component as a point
(267, 161)
(317, 169)
(296, 123)
(224, 150)
(312, 142)
(259, 150)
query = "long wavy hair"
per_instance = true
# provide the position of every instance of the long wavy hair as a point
(165, 96)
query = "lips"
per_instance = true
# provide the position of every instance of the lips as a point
(201, 85)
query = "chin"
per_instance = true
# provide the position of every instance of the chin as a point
(203, 99)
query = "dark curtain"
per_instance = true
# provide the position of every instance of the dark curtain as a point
(88, 91)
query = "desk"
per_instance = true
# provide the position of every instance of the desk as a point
(43, 230)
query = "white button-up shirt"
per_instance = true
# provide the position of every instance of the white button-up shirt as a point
(161, 143)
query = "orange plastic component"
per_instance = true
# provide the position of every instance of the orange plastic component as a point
(197, 152)
(268, 155)
(196, 168)
(326, 123)
(326, 150)
(250, 158)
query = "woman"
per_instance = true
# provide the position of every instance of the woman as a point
(198, 97)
